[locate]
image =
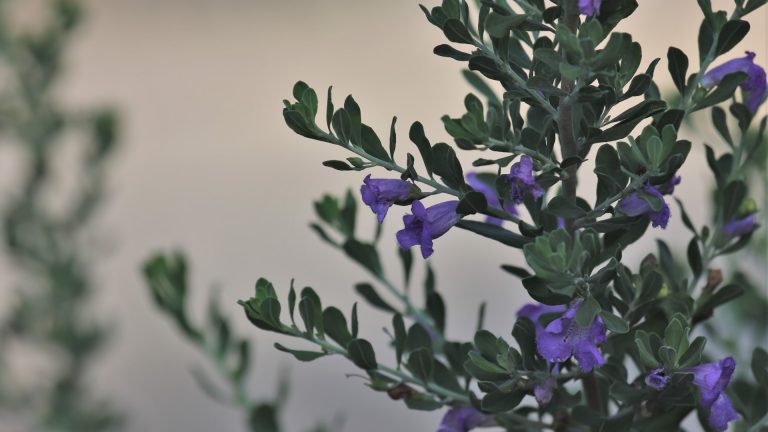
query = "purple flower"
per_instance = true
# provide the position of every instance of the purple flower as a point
(425, 225)
(754, 87)
(633, 205)
(461, 419)
(589, 7)
(739, 227)
(543, 392)
(491, 196)
(711, 380)
(380, 194)
(521, 180)
(534, 311)
(657, 379)
(563, 337)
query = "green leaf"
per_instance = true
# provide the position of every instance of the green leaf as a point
(500, 402)
(362, 355)
(668, 356)
(417, 338)
(569, 71)
(436, 309)
(720, 297)
(524, 333)
(721, 124)
(447, 166)
(298, 89)
(692, 355)
(309, 100)
(515, 270)
(678, 67)
(481, 86)
(372, 144)
(355, 124)
(406, 257)
(416, 135)
(694, 258)
(420, 363)
(760, 366)
(307, 311)
(292, 301)
(392, 138)
(399, 333)
(371, 296)
(364, 254)
(335, 326)
(614, 323)
(263, 418)
(329, 110)
(457, 32)
(705, 38)
(644, 350)
(563, 207)
(298, 124)
(471, 203)
(587, 312)
(495, 232)
(730, 35)
(675, 333)
(354, 323)
(723, 91)
(304, 356)
(338, 165)
(270, 311)
(451, 52)
(342, 126)
(485, 342)
(499, 26)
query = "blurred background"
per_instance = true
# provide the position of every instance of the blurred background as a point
(207, 165)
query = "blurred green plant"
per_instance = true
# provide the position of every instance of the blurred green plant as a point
(230, 354)
(51, 310)
(167, 278)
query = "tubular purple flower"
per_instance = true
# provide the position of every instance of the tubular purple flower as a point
(521, 180)
(633, 206)
(461, 419)
(657, 379)
(491, 196)
(425, 225)
(563, 337)
(739, 227)
(754, 87)
(711, 380)
(380, 194)
(590, 7)
(534, 311)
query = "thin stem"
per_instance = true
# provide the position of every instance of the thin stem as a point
(239, 395)
(569, 148)
(501, 214)
(599, 210)
(568, 145)
(507, 71)
(429, 386)
(517, 148)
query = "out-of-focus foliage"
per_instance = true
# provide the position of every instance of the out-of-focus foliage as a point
(50, 312)
(168, 279)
